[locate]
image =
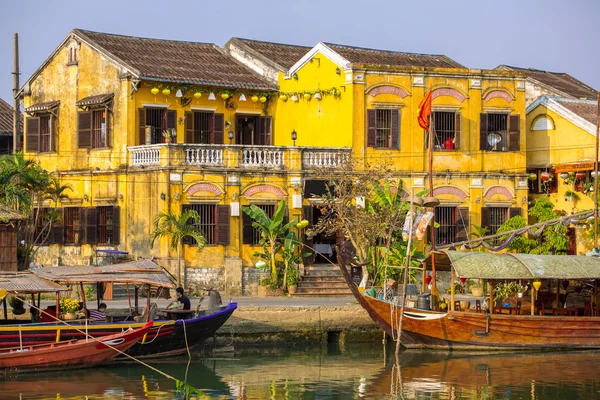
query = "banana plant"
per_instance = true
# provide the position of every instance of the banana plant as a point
(272, 232)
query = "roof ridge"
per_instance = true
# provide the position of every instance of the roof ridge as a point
(277, 43)
(387, 51)
(84, 32)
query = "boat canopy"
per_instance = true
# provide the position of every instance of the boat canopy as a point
(515, 266)
(26, 282)
(137, 272)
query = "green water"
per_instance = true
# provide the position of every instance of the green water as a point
(327, 372)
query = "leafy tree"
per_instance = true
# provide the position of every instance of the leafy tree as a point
(272, 234)
(520, 244)
(26, 187)
(177, 228)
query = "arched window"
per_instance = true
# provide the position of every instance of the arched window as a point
(542, 123)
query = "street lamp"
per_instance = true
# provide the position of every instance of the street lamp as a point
(230, 136)
(294, 137)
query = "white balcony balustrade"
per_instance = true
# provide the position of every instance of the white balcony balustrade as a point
(202, 154)
(317, 158)
(145, 155)
(265, 157)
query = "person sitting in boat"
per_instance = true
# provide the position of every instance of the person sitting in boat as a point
(35, 314)
(98, 315)
(181, 303)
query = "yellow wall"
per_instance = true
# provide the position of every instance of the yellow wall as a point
(326, 122)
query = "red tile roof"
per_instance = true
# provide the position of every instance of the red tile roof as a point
(559, 81)
(177, 61)
(6, 118)
(285, 55)
(586, 109)
(361, 55)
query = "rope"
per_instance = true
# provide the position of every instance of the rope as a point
(99, 341)
(186, 342)
(158, 331)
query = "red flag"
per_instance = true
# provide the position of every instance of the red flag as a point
(424, 111)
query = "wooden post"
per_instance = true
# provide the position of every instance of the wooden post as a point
(97, 295)
(5, 309)
(39, 303)
(532, 300)
(16, 112)
(136, 301)
(83, 296)
(558, 293)
(491, 283)
(148, 303)
(57, 305)
(424, 284)
(452, 287)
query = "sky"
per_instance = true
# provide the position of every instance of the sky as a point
(553, 35)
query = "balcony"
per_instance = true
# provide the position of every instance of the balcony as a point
(237, 156)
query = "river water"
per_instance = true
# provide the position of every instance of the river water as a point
(330, 371)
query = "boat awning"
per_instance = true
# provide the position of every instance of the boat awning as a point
(97, 100)
(48, 106)
(137, 272)
(515, 266)
(26, 282)
(7, 214)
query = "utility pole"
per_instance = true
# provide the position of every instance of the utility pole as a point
(16, 107)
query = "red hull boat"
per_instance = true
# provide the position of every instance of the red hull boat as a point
(72, 353)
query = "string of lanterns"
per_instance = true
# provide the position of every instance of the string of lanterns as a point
(197, 92)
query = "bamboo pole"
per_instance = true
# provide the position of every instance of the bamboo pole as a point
(148, 303)
(532, 300)
(491, 305)
(452, 287)
(83, 296)
(136, 301)
(57, 304)
(5, 308)
(405, 281)
(596, 177)
(558, 293)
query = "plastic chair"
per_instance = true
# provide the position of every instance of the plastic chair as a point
(457, 305)
(478, 306)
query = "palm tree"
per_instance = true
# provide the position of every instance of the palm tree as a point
(177, 227)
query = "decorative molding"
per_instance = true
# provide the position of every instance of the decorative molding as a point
(501, 190)
(322, 48)
(418, 81)
(105, 200)
(450, 190)
(476, 83)
(387, 89)
(264, 188)
(418, 181)
(477, 182)
(204, 187)
(553, 105)
(542, 123)
(498, 94)
(448, 92)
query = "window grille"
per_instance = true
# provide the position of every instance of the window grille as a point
(99, 129)
(498, 216)
(105, 225)
(203, 127)
(155, 117)
(45, 133)
(445, 130)
(383, 136)
(72, 219)
(446, 218)
(208, 221)
(497, 126)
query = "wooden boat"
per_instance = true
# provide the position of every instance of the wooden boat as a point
(461, 330)
(70, 353)
(166, 337)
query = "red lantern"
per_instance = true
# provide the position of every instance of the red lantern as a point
(545, 176)
(428, 279)
(580, 175)
(463, 280)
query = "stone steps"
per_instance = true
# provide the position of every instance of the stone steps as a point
(322, 280)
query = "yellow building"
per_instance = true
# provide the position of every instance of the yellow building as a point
(249, 124)
(561, 137)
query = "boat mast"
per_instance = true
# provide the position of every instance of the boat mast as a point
(596, 177)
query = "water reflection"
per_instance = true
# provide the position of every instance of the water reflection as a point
(329, 372)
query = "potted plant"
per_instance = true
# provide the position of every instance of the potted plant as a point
(168, 135)
(68, 308)
(504, 290)
(16, 304)
(477, 289)
(571, 195)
